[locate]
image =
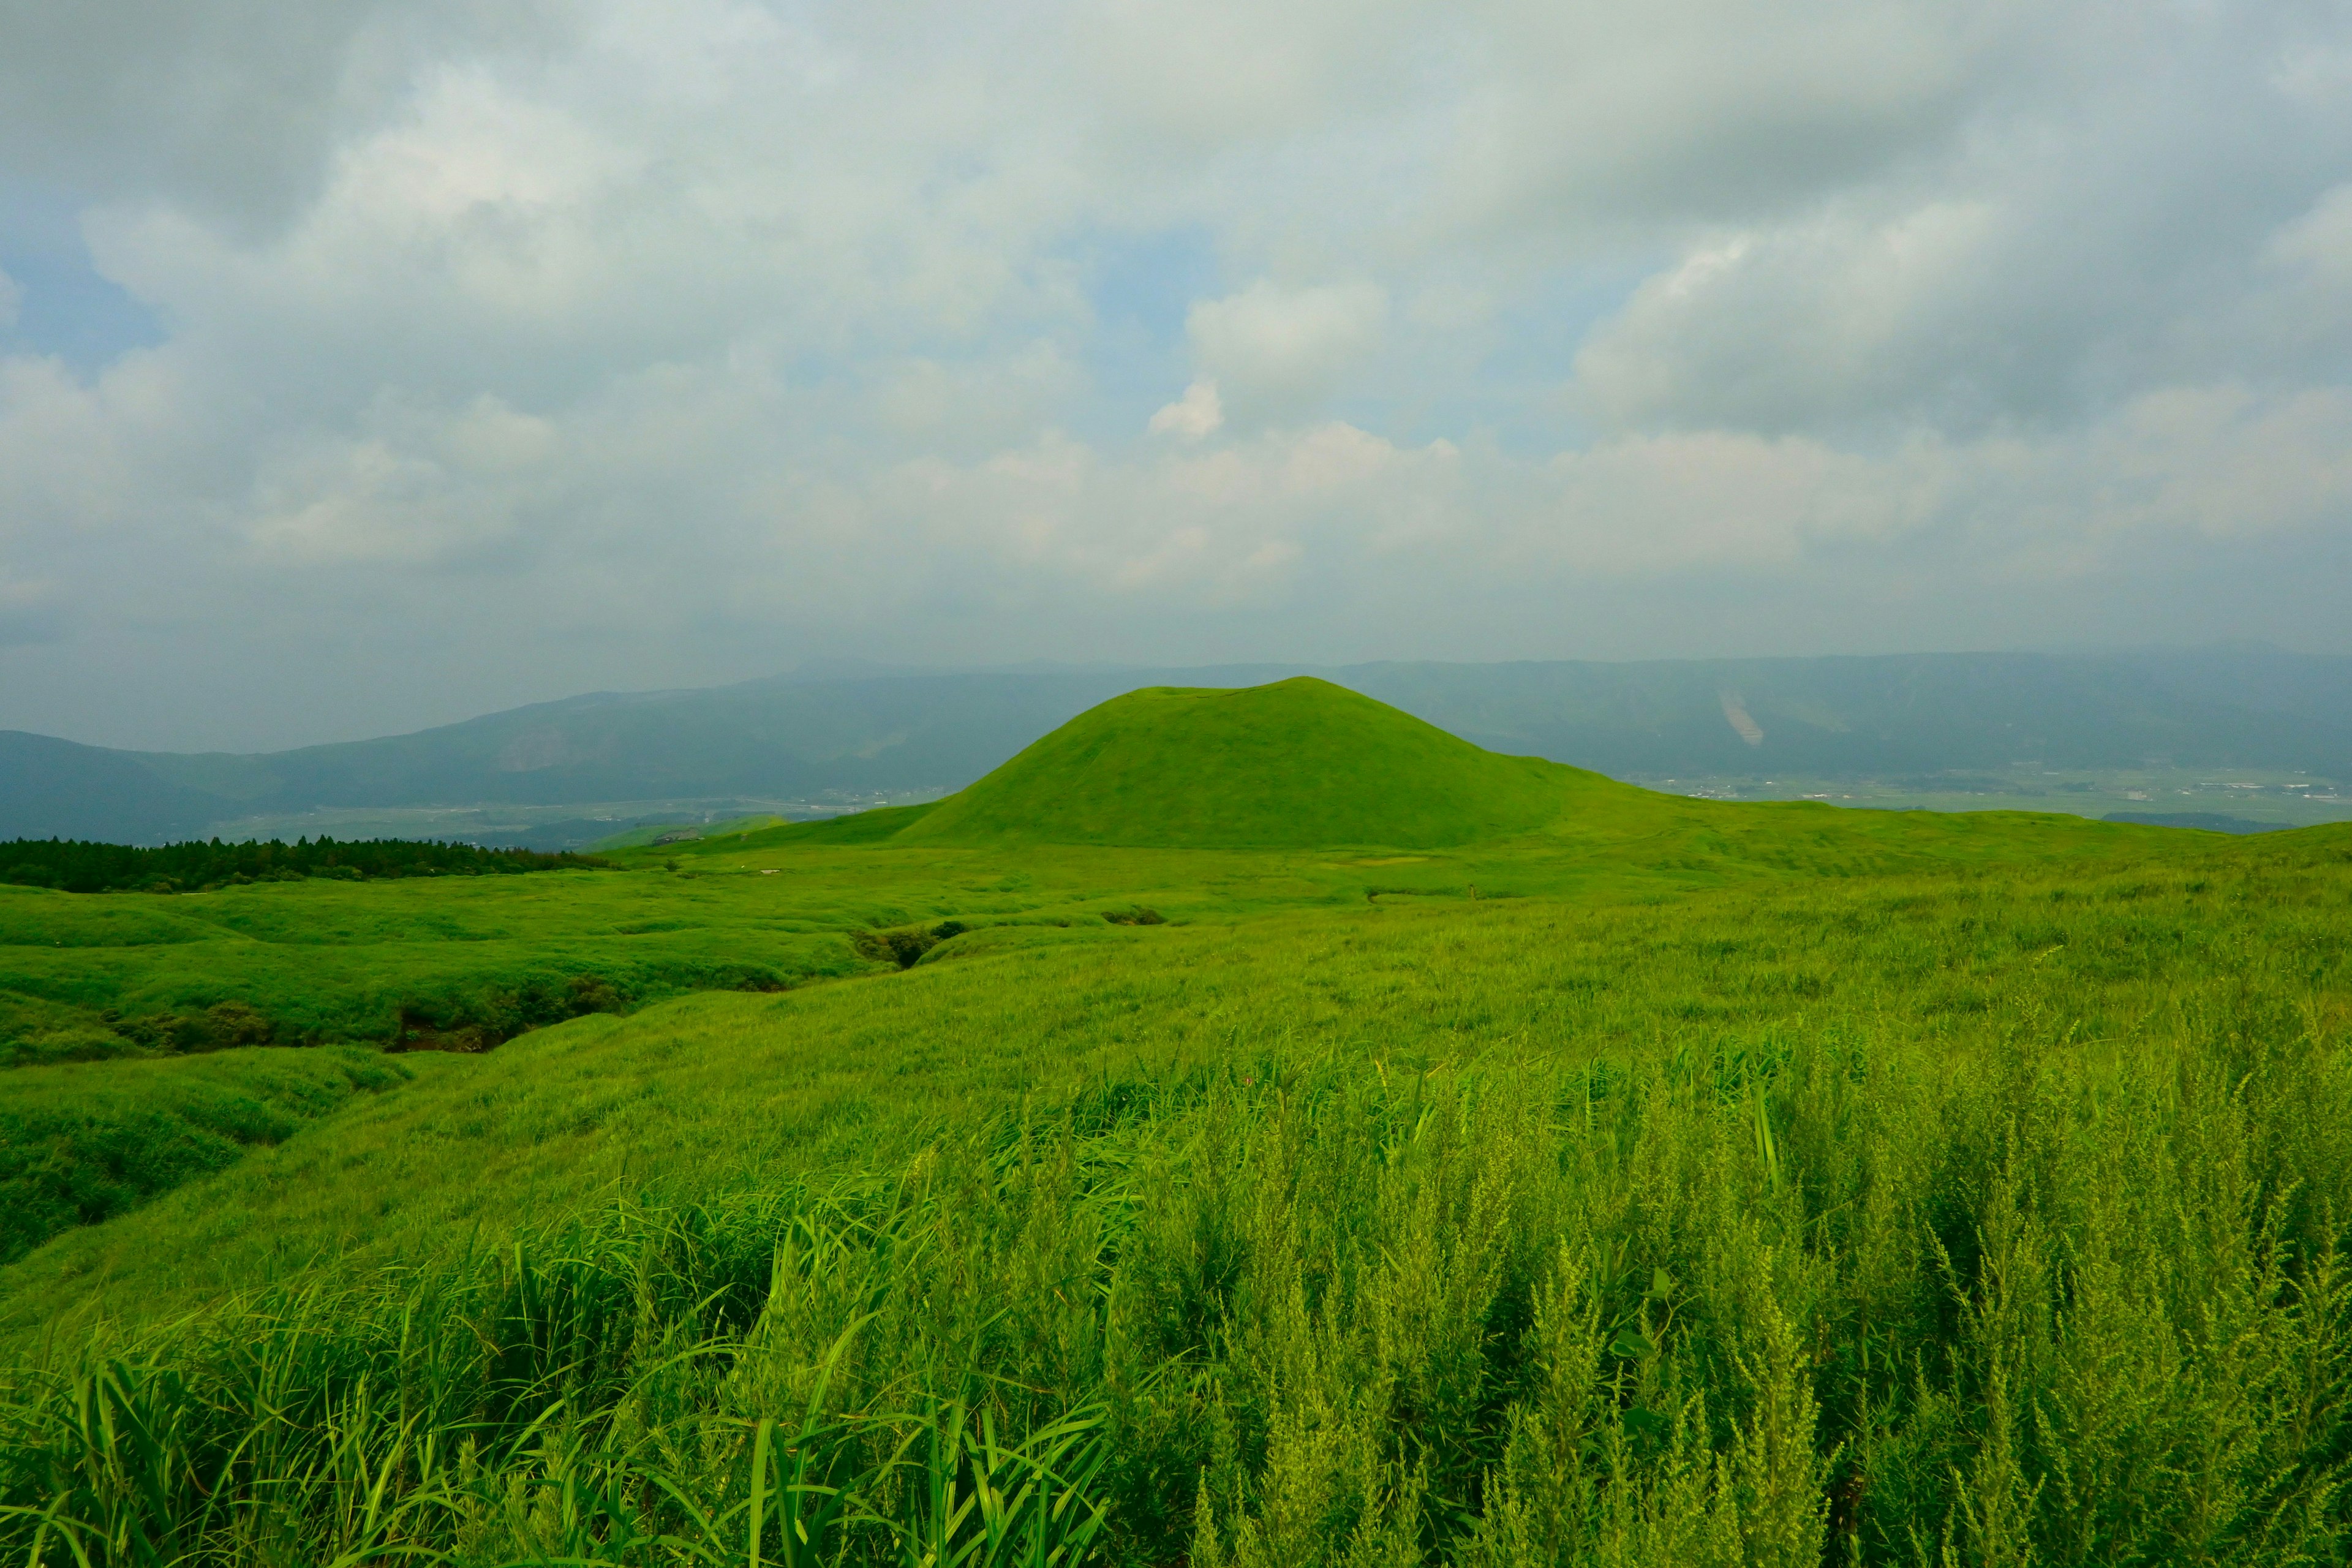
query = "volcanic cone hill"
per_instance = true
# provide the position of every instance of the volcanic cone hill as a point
(1298, 763)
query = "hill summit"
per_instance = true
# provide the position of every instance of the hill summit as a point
(1298, 763)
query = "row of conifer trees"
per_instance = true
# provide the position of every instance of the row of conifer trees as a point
(75, 866)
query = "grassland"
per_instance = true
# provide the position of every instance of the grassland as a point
(471, 962)
(1672, 1182)
(463, 963)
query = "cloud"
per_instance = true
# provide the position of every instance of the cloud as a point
(1281, 351)
(2296, 315)
(2099, 222)
(419, 489)
(619, 344)
(1698, 109)
(235, 109)
(1274, 516)
(12, 299)
(1196, 413)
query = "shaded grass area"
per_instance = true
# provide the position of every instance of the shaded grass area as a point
(82, 1143)
(33, 1031)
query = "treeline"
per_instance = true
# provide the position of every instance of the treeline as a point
(74, 866)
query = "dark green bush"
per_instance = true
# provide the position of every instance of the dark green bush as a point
(904, 946)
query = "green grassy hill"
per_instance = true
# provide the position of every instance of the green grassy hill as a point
(1298, 763)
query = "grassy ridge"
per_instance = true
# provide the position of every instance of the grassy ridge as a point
(80, 1143)
(323, 962)
(645, 836)
(1992, 1218)
(470, 965)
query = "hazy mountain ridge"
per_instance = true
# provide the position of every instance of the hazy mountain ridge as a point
(864, 734)
(1918, 713)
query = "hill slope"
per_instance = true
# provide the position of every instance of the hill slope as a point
(1297, 763)
(60, 789)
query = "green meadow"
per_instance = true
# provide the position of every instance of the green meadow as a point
(1296, 1136)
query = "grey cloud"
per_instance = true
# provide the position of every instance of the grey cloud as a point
(230, 105)
(2076, 247)
(1703, 109)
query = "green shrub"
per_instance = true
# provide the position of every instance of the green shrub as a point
(903, 945)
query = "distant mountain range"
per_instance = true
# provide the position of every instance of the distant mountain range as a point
(838, 737)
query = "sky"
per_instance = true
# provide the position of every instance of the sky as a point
(365, 366)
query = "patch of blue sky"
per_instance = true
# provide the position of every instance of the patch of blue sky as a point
(65, 308)
(1141, 285)
(1501, 378)
(1519, 396)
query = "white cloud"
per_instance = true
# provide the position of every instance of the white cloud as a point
(2297, 315)
(418, 489)
(1279, 352)
(104, 453)
(235, 108)
(1196, 413)
(1058, 520)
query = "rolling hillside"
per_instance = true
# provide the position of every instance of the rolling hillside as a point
(1303, 1136)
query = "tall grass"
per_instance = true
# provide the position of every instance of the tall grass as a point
(1811, 1295)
